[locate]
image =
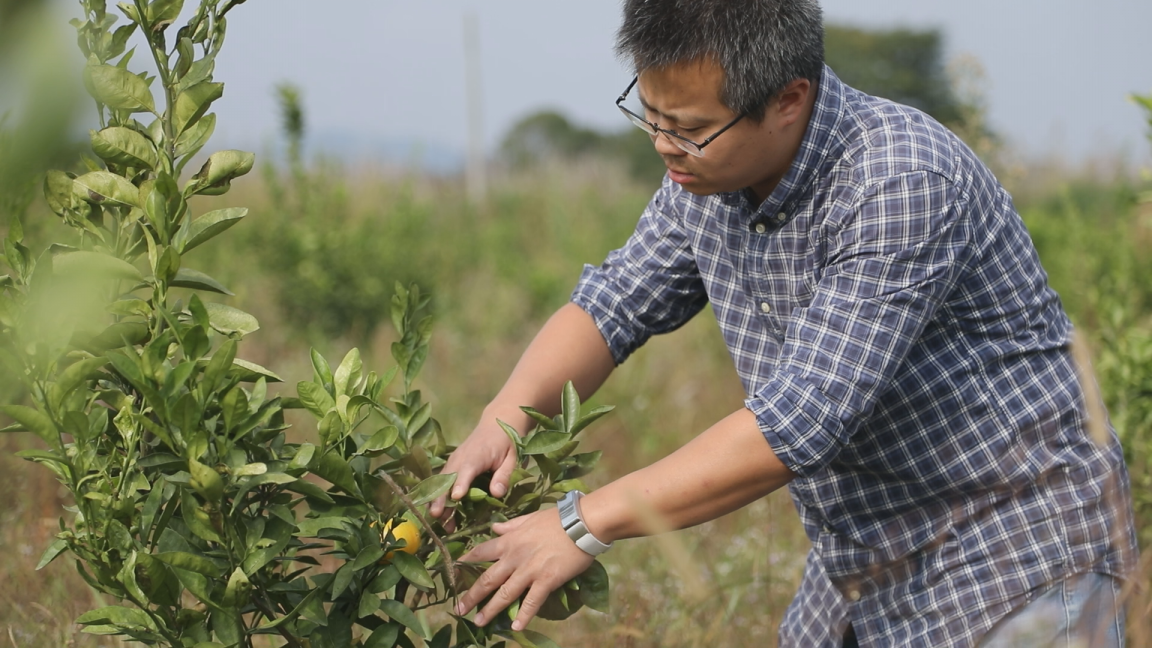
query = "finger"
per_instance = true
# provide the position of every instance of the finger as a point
(464, 481)
(492, 578)
(531, 604)
(499, 484)
(508, 592)
(501, 528)
(487, 551)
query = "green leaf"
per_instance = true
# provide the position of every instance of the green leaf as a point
(315, 398)
(348, 373)
(206, 481)
(383, 439)
(238, 589)
(385, 580)
(369, 603)
(369, 555)
(58, 191)
(194, 102)
(545, 442)
(198, 521)
(99, 187)
(412, 569)
(303, 456)
(162, 13)
(218, 171)
(116, 615)
(571, 406)
(74, 376)
(431, 488)
(192, 140)
(55, 549)
(397, 612)
(34, 421)
(118, 335)
(85, 263)
(532, 639)
(119, 89)
(513, 435)
(589, 418)
(189, 562)
(335, 469)
(321, 369)
(227, 320)
(307, 488)
(208, 226)
(384, 636)
(120, 145)
(593, 584)
(196, 280)
(342, 580)
(542, 420)
(251, 372)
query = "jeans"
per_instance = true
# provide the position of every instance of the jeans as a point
(1081, 612)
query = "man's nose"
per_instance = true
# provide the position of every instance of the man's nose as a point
(665, 146)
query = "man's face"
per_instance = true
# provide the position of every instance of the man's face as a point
(686, 98)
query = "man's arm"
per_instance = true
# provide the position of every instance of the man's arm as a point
(568, 347)
(723, 469)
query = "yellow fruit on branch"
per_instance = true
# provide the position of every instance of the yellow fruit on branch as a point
(406, 531)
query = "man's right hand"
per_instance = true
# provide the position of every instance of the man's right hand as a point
(487, 449)
(568, 348)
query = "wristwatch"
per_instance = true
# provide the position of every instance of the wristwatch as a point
(574, 526)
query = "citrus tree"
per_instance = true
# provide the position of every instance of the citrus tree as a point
(193, 506)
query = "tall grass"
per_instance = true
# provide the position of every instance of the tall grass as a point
(315, 262)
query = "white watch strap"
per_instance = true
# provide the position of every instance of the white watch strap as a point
(574, 526)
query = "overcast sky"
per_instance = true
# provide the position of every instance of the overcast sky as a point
(1058, 72)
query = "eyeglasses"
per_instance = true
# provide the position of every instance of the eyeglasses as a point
(685, 144)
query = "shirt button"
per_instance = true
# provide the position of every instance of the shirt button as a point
(765, 307)
(854, 595)
(781, 217)
(760, 228)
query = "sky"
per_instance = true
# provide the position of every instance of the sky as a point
(388, 76)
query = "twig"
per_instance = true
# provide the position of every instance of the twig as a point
(448, 562)
(271, 617)
(12, 637)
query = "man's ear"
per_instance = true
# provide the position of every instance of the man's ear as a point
(792, 101)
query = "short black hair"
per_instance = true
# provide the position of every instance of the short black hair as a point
(761, 45)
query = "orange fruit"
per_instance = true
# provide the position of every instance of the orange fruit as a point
(406, 531)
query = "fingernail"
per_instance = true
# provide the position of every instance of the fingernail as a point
(459, 608)
(498, 490)
(517, 626)
(479, 620)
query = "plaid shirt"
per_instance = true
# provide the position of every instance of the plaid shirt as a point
(905, 357)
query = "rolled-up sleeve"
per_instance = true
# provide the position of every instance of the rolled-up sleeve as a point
(890, 265)
(651, 285)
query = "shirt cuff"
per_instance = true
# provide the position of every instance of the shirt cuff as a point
(799, 423)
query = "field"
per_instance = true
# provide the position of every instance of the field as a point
(316, 260)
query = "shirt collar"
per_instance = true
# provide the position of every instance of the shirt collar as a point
(821, 143)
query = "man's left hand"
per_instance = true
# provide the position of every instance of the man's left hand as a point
(532, 554)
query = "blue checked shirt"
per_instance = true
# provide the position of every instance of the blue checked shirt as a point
(905, 357)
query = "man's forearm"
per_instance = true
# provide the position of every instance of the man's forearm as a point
(728, 466)
(568, 348)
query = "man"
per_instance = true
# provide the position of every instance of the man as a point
(907, 368)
